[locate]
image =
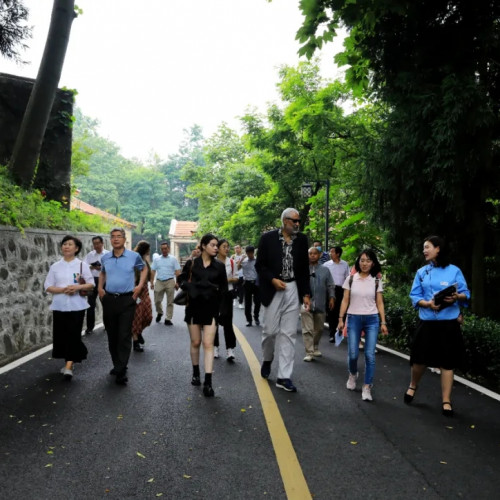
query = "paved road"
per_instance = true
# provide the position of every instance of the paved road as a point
(160, 438)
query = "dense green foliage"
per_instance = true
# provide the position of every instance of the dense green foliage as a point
(147, 195)
(434, 66)
(28, 208)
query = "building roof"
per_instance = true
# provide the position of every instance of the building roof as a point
(77, 204)
(182, 228)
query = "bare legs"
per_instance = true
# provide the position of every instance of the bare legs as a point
(203, 334)
(446, 383)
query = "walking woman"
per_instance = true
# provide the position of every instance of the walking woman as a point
(68, 306)
(226, 317)
(438, 339)
(205, 281)
(144, 310)
(364, 304)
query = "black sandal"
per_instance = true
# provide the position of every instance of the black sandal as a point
(445, 411)
(408, 398)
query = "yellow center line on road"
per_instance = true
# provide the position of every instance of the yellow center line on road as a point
(291, 473)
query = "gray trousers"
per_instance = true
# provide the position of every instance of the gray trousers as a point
(279, 330)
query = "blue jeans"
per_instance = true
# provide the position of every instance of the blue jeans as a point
(370, 324)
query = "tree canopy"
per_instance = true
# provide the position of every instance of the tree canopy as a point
(13, 30)
(434, 66)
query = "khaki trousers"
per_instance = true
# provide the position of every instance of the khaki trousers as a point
(312, 329)
(162, 287)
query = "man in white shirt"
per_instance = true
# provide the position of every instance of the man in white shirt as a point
(240, 291)
(165, 268)
(339, 270)
(93, 259)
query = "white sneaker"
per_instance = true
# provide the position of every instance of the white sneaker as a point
(68, 374)
(351, 381)
(230, 354)
(317, 354)
(366, 393)
(308, 357)
(240, 306)
(235, 303)
(216, 352)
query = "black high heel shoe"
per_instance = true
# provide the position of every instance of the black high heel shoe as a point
(408, 398)
(445, 411)
(208, 391)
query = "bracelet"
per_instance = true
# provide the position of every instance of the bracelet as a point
(384, 323)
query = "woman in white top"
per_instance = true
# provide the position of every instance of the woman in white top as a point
(226, 316)
(68, 306)
(364, 303)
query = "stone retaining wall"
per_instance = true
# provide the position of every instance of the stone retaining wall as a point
(25, 318)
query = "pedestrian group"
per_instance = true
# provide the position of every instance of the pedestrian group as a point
(286, 277)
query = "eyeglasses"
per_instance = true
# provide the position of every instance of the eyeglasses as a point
(295, 221)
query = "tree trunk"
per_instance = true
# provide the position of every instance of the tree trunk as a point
(30, 138)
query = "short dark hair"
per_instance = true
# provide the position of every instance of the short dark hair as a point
(250, 248)
(443, 257)
(78, 242)
(317, 241)
(98, 238)
(337, 250)
(165, 242)
(222, 241)
(376, 268)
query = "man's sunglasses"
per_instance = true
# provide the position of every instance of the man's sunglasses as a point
(295, 221)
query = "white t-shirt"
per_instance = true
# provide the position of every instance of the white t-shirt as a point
(362, 297)
(230, 271)
(236, 259)
(62, 274)
(92, 257)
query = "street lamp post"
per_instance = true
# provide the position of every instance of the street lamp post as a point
(307, 192)
(156, 242)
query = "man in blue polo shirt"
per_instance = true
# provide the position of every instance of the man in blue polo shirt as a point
(165, 268)
(118, 294)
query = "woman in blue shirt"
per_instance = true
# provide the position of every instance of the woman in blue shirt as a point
(438, 340)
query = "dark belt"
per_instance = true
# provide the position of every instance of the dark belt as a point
(120, 294)
(250, 281)
(168, 279)
(288, 280)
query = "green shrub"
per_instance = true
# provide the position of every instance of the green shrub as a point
(481, 337)
(28, 208)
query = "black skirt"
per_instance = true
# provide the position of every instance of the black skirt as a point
(438, 344)
(67, 336)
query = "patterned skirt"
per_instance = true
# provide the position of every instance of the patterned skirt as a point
(143, 312)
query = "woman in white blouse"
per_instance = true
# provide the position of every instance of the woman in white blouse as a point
(68, 306)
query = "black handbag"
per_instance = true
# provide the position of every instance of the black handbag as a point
(181, 298)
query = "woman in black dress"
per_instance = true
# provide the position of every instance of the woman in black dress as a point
(204, 279)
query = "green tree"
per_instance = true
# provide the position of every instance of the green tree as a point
(435, 65)
(29, 140)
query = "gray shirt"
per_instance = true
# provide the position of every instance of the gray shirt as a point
(322, 286)
(249, 272)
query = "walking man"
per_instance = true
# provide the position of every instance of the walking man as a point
(118, 295)
(323, 255)
(339, 269)
(165, 268)
(283, 270)
(247, 265)
(93, 259)
(321, 283)
(240, 292)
